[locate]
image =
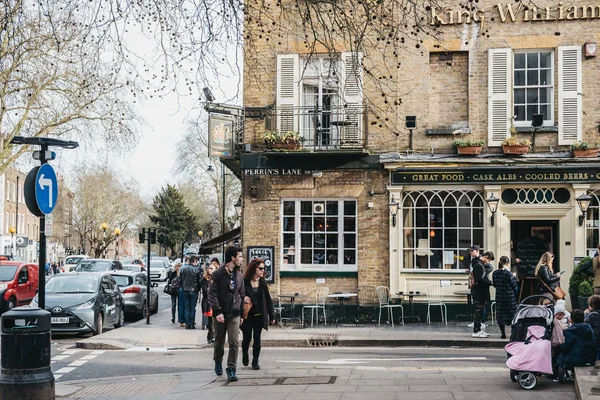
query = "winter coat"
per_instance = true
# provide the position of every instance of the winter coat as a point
(261, 302)
(221, 298)
(204, 284)
(547, 276)
(506, 288)
(579, 347)
(481, 289)
(593, 319)
(189, 278)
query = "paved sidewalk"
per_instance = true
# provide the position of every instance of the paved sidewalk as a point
(162, 333)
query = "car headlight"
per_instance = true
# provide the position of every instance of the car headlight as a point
(3, 286)
(87, 304)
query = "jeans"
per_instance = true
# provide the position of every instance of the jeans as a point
(180, 310)
(231, 327)
(251, 329)
(479, 307)
(173, 305)
(189, 307)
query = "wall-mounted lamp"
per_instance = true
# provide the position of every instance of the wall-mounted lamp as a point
(238, 207)
(590, 49)
(393, 210)
(492, 203)
(583, 202)
(536, 123)
(410, 124)
(317, 174)
(254, 192)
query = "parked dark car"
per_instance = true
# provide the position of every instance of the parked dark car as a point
(18, 284)
(82, 302)
(98, 264)
(133, 286)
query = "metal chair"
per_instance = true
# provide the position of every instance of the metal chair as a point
(435, 297)
(383, 295)
(320, 297)
(279, 311)
(367, 300)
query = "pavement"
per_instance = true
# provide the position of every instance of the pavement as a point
(162, 334)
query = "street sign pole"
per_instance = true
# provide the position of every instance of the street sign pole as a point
(42, 257)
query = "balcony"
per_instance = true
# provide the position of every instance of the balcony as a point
(338, 129)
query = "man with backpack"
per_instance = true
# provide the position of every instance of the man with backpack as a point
(189, 281)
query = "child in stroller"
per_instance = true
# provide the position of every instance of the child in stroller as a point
(529, 350)
(579, 348)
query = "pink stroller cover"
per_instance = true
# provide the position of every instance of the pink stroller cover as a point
(533, 357)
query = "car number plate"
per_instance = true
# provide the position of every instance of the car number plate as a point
(59, 320)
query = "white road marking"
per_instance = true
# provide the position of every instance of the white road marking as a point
(345, 361)
(65, 370)
(71, 351)
(78, 363)
(97, 352)
(89, 357)
(60, 357)
(57, 376)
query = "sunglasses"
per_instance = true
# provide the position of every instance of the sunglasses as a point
(262, 269)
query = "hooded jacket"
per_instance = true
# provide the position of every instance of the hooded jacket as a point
(579, 347)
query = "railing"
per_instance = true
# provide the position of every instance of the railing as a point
(324, 129)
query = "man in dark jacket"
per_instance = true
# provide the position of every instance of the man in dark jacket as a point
(579, 347)
(225, 298)
(189, 282)
(480, 291)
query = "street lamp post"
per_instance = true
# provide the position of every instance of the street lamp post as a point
(12, 231)
(117, 233)
(104, 227)
(200, 233)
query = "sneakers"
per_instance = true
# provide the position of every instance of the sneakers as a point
(472, 324)
(219, 368)
(231, 375)
(245, 359)
(182, 324)
(480, 334)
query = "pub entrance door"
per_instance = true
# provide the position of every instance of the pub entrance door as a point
(530, 239)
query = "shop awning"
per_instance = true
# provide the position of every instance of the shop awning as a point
(206, 248)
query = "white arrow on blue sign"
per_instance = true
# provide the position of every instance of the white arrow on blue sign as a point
(46, 188)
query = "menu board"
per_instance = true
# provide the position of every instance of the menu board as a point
(266, 254)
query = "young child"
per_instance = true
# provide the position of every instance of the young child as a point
(593, 318)
(579, 347)
(561, 314)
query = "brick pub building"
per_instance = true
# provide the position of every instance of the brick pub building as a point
(372, 197)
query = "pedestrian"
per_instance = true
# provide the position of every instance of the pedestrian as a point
(190, 283)
(593, 318)
(181, 307)
(548, 280)
(261, 312)
(172, 278)
(579, 347)
(206, 310)
(596, 270)
(225, 299)
(506, 292)
(480, 291)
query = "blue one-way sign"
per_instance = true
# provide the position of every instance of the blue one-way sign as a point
(46, 188)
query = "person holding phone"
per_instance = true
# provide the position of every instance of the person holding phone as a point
(549, 281)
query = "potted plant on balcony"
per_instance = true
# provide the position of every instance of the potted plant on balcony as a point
(468, 146)
(282, 140)
(585, 149)
(515, 145)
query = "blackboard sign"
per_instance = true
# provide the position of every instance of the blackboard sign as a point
(529, 251)
(266, 253)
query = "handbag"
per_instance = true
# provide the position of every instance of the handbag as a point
(247, 308)
(167, 289)
(558, 293)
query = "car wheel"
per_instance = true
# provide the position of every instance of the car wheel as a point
(99, 325)
(155, 309)
(121, 320)
(144, 313)
(12, 303)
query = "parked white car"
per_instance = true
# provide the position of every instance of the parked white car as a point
(158, 270)
(72, 261)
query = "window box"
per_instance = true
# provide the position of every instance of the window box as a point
(515, 149)
(469, 147)
(585, 149)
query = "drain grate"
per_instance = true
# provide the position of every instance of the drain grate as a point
(324, 340)
(296, 380)
(126, 389)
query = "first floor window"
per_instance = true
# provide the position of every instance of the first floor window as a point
(533, 86)
(439, 226)
(320, 233)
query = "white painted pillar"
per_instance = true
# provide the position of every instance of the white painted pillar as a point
(395, 244)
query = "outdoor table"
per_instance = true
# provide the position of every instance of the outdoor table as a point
(292, 297)
(412, 317)
(341, 297)
(469, 316)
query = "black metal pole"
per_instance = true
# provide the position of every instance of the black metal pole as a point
(148, 280)
(42, 255)
(182, 250)
(223, 212)
(117, 248)
(12, 244)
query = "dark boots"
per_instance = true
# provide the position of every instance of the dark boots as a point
(245, 358)
(255, 365)
(502, 331)
(231, 375)
(219, 367)
(255, 355)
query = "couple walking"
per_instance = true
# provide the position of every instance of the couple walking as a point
(228, 294)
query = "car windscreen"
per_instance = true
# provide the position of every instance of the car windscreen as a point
(7, 272)
(123, 280)
(72, 284)
(134, 268)
(93, 265)
(73, 260)
(157, 264)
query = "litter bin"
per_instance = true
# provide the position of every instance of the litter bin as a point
(25, 372)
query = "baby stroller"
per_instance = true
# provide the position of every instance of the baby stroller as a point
(530, 351)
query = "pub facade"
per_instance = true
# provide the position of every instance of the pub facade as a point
(374, 192)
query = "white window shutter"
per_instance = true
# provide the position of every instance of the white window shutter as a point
(569, 94)
(288, 76)
(499, 95)
(352, 99)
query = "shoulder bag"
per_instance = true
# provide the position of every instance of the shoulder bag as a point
(558, 293)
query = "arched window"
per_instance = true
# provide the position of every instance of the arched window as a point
(439, 226)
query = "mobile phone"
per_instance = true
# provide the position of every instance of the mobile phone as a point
(562, 272)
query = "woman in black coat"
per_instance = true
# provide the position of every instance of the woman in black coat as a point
(548, 279)
(506, 289)
(261, 312)
(206, 310)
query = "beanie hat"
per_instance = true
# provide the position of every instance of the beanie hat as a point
(560, 307)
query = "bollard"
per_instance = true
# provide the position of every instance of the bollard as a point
(25, 372)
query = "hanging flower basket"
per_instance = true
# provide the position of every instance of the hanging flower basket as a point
(517, 149)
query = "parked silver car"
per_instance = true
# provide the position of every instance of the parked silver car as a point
(133, 286)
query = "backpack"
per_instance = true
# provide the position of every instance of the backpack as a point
(175, 285)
